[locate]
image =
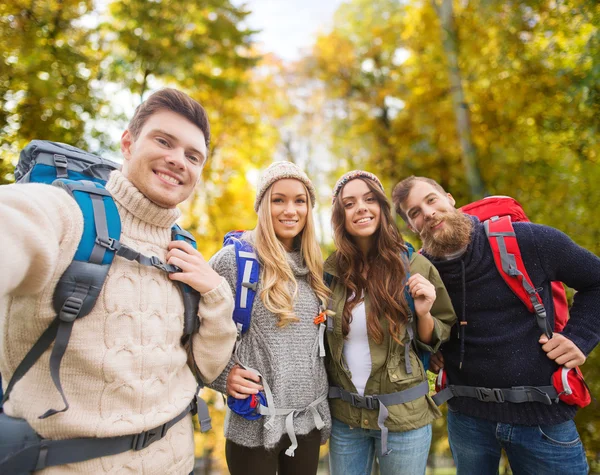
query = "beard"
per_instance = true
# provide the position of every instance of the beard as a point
(453, 237)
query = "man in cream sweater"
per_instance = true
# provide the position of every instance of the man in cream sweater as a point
(125, 370)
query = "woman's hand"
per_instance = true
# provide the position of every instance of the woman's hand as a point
(240, 383)
(423, 293)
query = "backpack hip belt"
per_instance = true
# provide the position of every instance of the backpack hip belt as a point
(380, 402)
(270, 411)
(567, 385)
(34, 453)
(544, 394)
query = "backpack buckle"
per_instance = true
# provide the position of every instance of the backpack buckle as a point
(70, 309)
(364, 402)
(489, 395)
(143, 440)
(250, 285)
(108, 243)
(60, 162)
(169, 268)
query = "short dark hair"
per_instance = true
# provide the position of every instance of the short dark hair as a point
(402, 190)
(171, 100)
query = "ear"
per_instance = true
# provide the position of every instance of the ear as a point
(126, 144)
(451, 199)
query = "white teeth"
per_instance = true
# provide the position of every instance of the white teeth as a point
(364, 220)
(288, 222)
(168, 178)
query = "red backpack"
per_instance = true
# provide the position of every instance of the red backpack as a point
(505, 206)
(497, 214)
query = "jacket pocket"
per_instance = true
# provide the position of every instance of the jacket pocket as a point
(398, 376)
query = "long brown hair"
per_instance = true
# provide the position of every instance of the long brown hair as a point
(386, 263)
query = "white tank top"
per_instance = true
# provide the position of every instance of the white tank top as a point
(356, 349)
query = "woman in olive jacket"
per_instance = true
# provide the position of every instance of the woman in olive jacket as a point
(379, 392)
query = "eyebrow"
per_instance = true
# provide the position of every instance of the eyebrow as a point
(352, 196)
(283, 194)
(175, 139)
(410, 210)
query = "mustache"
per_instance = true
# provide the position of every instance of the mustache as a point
(455, 235)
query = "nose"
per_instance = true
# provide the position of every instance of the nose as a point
(290, 209)
(176, 158)
(361, 206)
(429, 211)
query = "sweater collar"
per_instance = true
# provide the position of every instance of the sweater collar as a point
(297, 263)
(132, 199)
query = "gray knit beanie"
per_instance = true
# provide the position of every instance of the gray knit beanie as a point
(278, 171)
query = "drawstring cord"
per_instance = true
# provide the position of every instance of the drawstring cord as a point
(463, 317)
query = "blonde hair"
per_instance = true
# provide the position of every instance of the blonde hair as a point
(279, 284)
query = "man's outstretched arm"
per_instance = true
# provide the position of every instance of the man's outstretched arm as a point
(39, 222)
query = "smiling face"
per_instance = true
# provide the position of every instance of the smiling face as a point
(431, 213)
(362, 211)
(165, 161)
(289, 207)
(427, 208)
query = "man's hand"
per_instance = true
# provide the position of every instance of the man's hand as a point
(239, 383)
(423, 293)
(195, 271)
(436, 362)
(562, 350)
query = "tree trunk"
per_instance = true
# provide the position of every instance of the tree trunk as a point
(445, 14)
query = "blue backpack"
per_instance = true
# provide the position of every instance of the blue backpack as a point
(83, 176)
(248, 272)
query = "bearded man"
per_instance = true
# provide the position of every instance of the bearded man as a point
(497, 342)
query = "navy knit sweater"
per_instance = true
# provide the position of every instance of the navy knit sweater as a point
(501, 336)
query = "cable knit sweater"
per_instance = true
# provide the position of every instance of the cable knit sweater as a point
(124, 370)
(287, 357)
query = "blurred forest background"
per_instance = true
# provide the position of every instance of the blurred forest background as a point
(486, 96)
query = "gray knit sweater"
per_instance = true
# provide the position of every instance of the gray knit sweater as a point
(287, 357)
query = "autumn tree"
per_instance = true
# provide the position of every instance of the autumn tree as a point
(46, 75)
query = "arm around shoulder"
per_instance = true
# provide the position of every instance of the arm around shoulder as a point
(40, 224)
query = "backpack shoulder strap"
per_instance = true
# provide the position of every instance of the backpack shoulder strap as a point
(78, 288)
(507, 256)
(191, 298)
(248, 273)
(412, 312)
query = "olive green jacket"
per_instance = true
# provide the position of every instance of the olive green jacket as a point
(388, 372)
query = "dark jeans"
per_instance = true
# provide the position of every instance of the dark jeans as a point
(532, 450)
(260, 461)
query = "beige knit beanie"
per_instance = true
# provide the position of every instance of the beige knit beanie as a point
(278, 171)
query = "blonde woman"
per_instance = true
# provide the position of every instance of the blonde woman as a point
(279, 361)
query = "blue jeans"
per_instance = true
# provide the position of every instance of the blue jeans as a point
(351, 450)
(549, 449)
